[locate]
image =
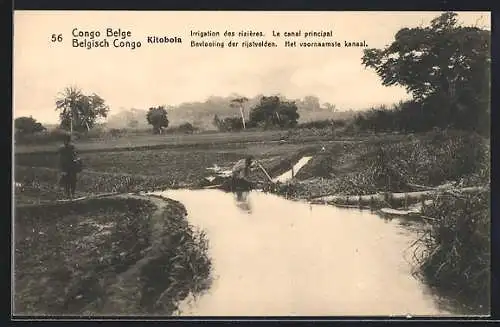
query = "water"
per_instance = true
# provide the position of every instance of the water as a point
(289, 174)
(272, 256)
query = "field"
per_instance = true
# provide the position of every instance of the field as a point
(146, 140)
(349, 165)
(159, 166)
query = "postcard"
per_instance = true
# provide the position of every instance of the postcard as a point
(251, 163)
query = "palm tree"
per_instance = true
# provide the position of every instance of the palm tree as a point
(238, 103)
(68, 102)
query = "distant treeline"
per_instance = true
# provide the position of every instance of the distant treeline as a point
(404, 117)
(414, 117)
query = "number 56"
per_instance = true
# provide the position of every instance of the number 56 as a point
(57, 38)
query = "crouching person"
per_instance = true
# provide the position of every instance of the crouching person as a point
(240, 173)
(241, 170)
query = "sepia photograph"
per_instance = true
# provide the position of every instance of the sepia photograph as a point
(258, 163)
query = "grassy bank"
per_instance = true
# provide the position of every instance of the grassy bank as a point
(89, 256)
(454, 253)
(181, 265)
(393, 166)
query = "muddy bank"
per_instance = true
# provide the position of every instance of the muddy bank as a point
(123, 254)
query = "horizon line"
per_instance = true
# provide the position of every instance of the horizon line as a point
(233, 95)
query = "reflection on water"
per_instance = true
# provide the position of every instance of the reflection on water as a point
(290, 258)
(243, 201)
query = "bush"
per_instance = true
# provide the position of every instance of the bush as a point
(410, 117)
(231, 124)
(187, 128)
(27, 125)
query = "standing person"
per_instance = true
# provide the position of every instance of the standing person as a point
(69, 164)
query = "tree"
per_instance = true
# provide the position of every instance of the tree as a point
(272, 111)
(157, 117)
(78, 111)
(27, 125)
(238, 103)
(446, 67)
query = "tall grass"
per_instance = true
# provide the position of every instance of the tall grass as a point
(453, 255)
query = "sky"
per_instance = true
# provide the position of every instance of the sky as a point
(169, 74)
